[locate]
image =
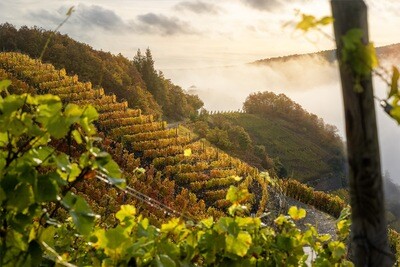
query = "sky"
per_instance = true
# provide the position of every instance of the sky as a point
(194, 33)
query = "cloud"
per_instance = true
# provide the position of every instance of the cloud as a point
(97, 16)
(198, 7)
(157, 23)
(86, 17)
(263, 5)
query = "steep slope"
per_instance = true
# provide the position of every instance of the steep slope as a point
(304, 158)
(204, 170)
(138, 84)
(277, 135)
(207, 171)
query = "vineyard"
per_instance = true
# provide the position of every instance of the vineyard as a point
(208, 172)
(169, 165)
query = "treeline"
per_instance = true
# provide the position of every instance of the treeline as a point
(135, 81)
(269, 104)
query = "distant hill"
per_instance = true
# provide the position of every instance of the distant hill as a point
(329, 56)
(135, 81)
(278, 135)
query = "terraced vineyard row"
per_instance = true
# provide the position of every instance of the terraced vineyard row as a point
(204, 170)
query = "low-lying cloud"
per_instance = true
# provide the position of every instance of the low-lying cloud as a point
(312, 82)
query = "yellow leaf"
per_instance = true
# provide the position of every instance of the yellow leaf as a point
(126, 211)
(297, 214)
(307, 22)
(236, 178)
(187, 152)
(326, 20)
(371, 52)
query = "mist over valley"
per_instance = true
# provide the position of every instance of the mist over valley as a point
(312, 80)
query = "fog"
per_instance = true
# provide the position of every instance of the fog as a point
(310, 81)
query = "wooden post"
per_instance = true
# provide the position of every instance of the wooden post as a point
(369, 243)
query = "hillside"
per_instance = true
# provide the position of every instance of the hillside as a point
(329, 56)
(181, 171)
(278, 135)
(139, 141)
(135, 81)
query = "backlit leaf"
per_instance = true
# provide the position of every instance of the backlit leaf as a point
(238, 245)
(126, 211)
(394, 86)
(307, 22)
(187, 152)
(296, 214)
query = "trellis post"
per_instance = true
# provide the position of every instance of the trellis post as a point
(369, 243)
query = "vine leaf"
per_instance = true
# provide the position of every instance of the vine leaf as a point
(309, 22)
(360, 58)
(238, 245)
(81, 214)
(395, 82)
(296, 213)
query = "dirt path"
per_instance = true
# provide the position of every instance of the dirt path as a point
(280, 204)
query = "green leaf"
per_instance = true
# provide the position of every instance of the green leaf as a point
(91, 113)
(337, 248)
(35, 254)
(11, 104)
(325, 237)
(4, 84)
(81, 214)
(208, 223)
(47, 235)
(394, 86)
(21, 197)
(2, 195)
(236, 195)
(284, 243)
(352, 38)
(111, 169)
(164, 260)
(47, 100)
(73, 112)
(46, 189)
(77, 136)
(297, 214)
(238, 245)
(40, 154)
(126, 211)
(175, 225)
